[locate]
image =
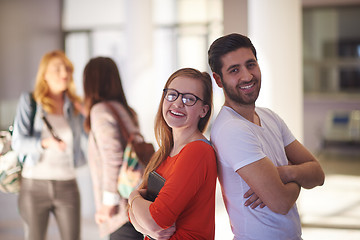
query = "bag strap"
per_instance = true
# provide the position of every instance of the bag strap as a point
(205, 141)
(123, 130)
(33, 113)
(50, 128)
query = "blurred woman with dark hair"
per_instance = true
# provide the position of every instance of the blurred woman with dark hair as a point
(103, 89)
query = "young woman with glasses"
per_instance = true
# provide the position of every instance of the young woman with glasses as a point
(185, 206)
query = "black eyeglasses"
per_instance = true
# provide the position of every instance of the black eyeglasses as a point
(188, 99)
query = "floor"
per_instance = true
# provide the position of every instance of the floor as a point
(333, 211)
(329, 212)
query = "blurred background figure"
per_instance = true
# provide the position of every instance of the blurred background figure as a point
(103, 87)
(51, 151)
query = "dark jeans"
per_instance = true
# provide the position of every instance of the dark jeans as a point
(126, 232)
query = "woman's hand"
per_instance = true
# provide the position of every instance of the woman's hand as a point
(80, 108)
(105, 213)
(141, 218)
(161, 234)
(135, 194)
(53, 143)
(164, 234)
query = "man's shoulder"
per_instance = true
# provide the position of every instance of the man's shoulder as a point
(223, 120)
(266, 111)
(226, 114)
(268, 115)
(229, 118)
(229, 125)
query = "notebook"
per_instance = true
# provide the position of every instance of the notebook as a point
(155, 183)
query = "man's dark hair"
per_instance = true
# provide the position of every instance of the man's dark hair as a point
(223, 46)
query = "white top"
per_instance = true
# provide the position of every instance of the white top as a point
(54, 164)
(239, 142)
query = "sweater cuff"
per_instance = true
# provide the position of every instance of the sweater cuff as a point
(110, 198)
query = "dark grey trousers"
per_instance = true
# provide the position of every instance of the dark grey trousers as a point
(126, 232)
(39, 198)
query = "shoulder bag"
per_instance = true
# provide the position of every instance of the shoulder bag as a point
(135, 158)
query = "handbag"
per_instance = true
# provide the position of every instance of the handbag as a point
(136, 156)
(10, 164)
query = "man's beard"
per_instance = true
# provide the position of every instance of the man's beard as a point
(237, 97)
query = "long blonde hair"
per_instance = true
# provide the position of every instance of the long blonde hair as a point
(41, 91)
(163, 133)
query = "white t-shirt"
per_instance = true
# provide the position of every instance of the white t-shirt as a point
(54, 164)
(239, 142)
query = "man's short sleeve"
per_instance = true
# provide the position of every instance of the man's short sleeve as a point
(236, 144)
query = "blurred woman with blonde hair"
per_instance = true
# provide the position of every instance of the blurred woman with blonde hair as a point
(49, 136)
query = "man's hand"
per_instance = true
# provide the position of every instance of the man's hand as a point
(285, 173)
(254, 201)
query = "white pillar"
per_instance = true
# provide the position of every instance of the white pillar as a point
(274, 27)
(138, 80)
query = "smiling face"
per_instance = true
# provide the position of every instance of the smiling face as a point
(176, 114)
(57, 75)
(241, 80)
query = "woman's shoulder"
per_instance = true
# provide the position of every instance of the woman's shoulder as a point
(26, 96)
(26, 101)
(198, 145)
(103, 107)
(200, 150)
(103, 111)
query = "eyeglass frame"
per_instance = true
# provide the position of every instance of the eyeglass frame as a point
(178, 94)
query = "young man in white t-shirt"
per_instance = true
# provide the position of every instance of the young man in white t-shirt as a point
(261, 166)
